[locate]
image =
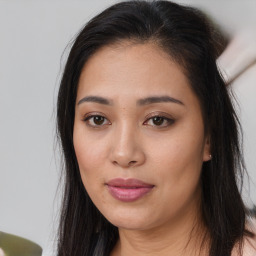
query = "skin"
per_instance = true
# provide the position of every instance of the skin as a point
(129, 144)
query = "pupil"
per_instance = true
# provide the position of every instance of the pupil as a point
(158, 120)
(99, 120)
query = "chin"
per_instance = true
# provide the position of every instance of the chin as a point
(131, 225)
(129, 220)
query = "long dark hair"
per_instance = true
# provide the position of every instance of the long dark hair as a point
(185, 34)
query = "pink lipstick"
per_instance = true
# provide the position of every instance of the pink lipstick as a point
(128, 190)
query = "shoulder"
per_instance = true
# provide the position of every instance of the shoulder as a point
(249, 243)
(249, 247)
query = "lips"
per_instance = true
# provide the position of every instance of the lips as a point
(128, 190)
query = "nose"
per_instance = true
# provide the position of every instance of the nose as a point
(126, 148)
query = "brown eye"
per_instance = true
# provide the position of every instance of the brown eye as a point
(98, 120)
(158, 120)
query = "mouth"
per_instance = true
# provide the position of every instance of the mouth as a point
(128, 190)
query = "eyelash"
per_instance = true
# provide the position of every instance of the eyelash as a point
(89, 117)
(167, 120)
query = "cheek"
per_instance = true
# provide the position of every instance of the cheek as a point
(90, 153)
(178, 163)
(177, 173)
(90, 156)
(177, 153)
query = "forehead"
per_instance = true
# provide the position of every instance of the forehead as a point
(132, 69)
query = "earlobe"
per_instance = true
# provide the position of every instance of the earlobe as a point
(207, 150)
(207, 158)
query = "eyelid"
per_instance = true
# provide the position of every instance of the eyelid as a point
(160, 114)
(167, 117)
(90, 115)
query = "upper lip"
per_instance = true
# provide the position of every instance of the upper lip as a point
(120, 182)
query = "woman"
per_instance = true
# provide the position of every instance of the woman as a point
(150, 138)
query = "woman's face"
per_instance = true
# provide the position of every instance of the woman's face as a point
(139, 137)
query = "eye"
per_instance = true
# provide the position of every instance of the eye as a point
(96, 121)
(159, 121)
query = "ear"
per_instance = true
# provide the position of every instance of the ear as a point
(207, 156)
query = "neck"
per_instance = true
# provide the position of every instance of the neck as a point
(178, 237)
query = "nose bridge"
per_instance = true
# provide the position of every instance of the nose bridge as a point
(126, 149)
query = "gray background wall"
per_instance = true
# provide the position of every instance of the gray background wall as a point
(33, 35)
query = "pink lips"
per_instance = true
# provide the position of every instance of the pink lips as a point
(128, 190)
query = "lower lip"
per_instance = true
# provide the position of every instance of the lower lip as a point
(128, 194)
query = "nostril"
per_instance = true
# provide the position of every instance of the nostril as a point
(127, 164)
(132, 163)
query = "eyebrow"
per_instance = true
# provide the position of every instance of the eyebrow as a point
(158, 99)
(95, 99)
(140, 102)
